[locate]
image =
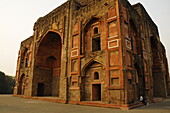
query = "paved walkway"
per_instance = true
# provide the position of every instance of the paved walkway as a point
(10, 104)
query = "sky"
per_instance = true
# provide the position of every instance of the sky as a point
(17, 18)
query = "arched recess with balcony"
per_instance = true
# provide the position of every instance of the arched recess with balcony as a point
(91, 40)
(25, 58)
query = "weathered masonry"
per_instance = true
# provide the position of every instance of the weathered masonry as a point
(94, 50)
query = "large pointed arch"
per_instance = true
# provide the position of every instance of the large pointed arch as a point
(52, 31)
(48, 65)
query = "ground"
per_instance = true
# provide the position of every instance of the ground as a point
(10, 104)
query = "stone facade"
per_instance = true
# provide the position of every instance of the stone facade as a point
(94, 50)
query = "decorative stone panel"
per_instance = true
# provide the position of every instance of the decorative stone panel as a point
(113, 43)
(74, 53)
(114, 58)
(113, 30)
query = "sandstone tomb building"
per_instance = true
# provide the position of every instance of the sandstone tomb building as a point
(94, 50)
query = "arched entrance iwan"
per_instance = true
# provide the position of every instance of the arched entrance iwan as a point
(48, 65)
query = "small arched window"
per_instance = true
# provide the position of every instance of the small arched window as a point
(96, 75)
(96, 30)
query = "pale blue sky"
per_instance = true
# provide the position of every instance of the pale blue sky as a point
(17, 18)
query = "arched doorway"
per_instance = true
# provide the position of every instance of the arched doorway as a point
(48, 65)
(40, 90)
(91, 87)
(21, 87)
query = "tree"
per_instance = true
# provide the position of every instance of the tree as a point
(6, 84)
